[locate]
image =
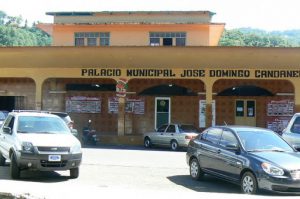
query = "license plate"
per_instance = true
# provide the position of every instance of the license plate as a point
(54, 158)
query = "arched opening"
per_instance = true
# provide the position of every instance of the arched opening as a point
(245, 90)
(168, 90)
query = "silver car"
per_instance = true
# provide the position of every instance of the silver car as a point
(172, 135)
(291, 133)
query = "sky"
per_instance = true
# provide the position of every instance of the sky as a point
(268, 15)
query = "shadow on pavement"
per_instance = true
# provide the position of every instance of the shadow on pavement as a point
(127, 147)
(35, 176)
(208, 184)
(214, 185)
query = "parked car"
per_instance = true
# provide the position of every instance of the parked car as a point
(173, 135)
(3, 115)
(251, 157)
(65, 116)
(38, 141)
(291, 133)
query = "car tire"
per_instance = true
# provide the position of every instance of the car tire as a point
(2, 160)
(195, 170)
(14, 169)
(174, 145)
(74, 173)
(249, 183)
(147, 143)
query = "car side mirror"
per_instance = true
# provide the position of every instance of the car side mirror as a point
(232, 146)
(7, 130)
(296, 147)
(74, 132)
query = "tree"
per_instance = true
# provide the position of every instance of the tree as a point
(258, 38)
(12, 34)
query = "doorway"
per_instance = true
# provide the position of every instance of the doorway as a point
(162, 111)
(245, 112)
(7, 103)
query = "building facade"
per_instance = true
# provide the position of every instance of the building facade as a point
(130, 72)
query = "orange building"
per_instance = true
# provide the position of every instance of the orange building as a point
(129, 72)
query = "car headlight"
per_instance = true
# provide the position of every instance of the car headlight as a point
(271, 169)
(27, 147)
(75, 149)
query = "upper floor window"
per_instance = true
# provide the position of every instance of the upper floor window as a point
(167, 38)
(92, 39)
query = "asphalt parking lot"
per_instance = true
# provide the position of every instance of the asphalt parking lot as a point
(121, 172)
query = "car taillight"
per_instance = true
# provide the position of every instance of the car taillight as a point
(70, 125)
(189, 137)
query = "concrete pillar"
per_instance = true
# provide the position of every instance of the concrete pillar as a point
(209, 100)
(39, 93)
(297, 95)
(121, 116)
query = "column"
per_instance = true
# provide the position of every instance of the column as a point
(208, 110)
(121, 116)
(296, 83)
(38, 93)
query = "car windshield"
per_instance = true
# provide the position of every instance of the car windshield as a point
(260, 140)
(38, 124)
(187, 128)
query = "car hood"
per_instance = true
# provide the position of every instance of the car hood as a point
(286, 160)
(49, 139)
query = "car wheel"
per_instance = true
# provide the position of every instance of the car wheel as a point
(147, 142)
(249, 183)
(2, 160)
(195, 170)
(74, 173)
(174, 145)
(14, 169)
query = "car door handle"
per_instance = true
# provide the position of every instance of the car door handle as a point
(172, 133)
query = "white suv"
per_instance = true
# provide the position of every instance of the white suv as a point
(38, 141)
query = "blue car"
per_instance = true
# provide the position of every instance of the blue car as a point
(254, 158)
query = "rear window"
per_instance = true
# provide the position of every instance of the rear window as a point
(296, 126)
(187, 128)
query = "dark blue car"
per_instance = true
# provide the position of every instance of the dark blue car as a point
(251, 157)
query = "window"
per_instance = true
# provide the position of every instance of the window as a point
(167, 38)
(162, 128)
(296, 126)
(227, 138)
(171, 129)
(92, 38)
(154, 41)
(167, 42)
(212, 135)
(79, 41)
(104, 39)
(180, 41)
(92, 41)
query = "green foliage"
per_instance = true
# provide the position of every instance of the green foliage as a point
(13, 34)
(260, 38)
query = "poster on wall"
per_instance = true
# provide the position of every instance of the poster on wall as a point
(280, 108)
(278, 114)
(277, 124)
(202, 113)
(135, 106)
(82, 104)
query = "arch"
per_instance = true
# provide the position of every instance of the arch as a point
(168, 90)
(245, 90)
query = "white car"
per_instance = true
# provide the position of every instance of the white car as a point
(173, 135)
(38, 141)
